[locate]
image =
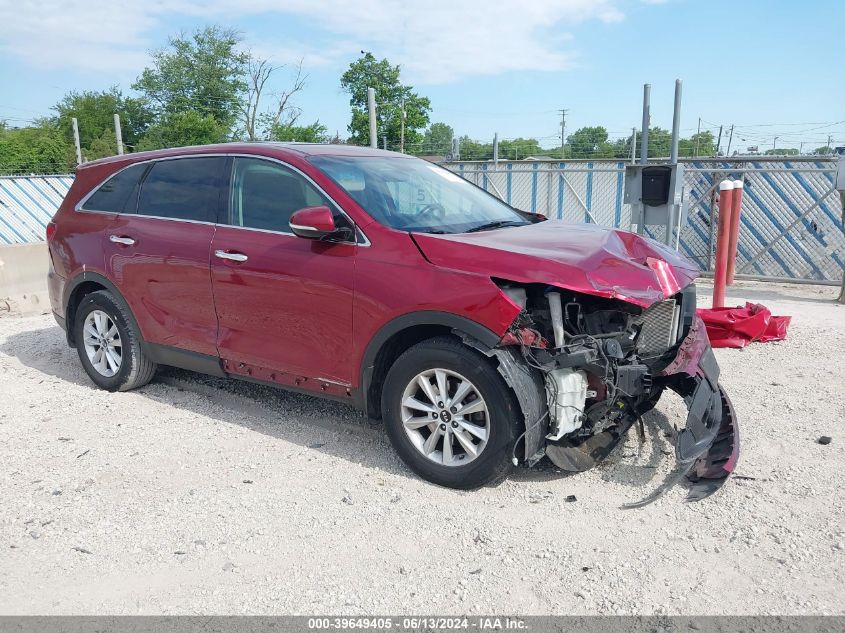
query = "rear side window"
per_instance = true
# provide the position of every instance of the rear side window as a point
(119, 193)
(183, 189)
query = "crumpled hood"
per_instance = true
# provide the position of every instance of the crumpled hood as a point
(582, 257)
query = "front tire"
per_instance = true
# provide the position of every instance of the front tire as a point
(108, 345)
(450, 415)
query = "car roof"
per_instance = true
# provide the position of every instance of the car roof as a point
(260, 148)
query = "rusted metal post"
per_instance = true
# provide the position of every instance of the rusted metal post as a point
(734, 237)
(722, 242)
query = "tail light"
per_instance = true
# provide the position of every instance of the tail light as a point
(51, 230)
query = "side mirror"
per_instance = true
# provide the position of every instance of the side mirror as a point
(313, 222)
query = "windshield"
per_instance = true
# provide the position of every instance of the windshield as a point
(415, 195)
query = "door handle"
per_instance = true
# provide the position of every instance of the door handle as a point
(235, 257)
(119, 239)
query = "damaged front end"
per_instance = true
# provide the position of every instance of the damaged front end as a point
(602, 364)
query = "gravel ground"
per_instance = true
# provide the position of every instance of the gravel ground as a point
(199, 495)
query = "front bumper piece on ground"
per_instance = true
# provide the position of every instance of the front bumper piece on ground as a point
(707, 449)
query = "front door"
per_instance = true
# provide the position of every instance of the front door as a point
(157, 252)
(284, 303)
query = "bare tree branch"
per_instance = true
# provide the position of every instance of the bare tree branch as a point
(298, 84)
(259, 71)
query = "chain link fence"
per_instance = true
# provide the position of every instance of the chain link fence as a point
(791, 224)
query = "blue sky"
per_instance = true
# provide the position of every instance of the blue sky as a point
(769, 67)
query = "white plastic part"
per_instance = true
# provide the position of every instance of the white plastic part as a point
(726, 185)
(517, 295)
(566, 390)
(738, 184)
(674, 331)
(557, 318)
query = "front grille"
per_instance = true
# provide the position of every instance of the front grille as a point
(659, 329)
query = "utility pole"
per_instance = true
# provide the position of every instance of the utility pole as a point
(384, 141)
(563, 133)
(75, 124)
(118, 134)
(402, 130)
(775, 143)
(829, 139)
(456, 148)
(371, 106)
(719, 142)
(496, 149)
(730, 139)
(697, 136)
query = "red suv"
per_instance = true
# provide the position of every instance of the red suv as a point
(482, 335)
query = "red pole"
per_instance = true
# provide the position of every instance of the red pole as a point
(722, 240)
(734, 239)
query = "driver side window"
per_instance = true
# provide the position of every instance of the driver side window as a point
(265, 194)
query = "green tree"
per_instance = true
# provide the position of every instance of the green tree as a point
(518, 148)
(621, 148)
(437, 140)
(381, 75)
(203, 74)
(314, 133)
(183, 128)
(700, 144)
(782, 151)
(95, 112)
(659, 142)
(511, 149)
(823, 150)
(589, 142)
(38, 149)
(470, 149)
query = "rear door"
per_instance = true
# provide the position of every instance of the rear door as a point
(157, 252)
(86, 236)
(284, 303)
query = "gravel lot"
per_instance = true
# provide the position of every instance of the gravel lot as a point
(199, 495)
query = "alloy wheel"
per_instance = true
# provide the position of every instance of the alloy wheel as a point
(103, 346)
(445, 417)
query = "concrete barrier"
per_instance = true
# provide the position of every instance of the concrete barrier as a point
(23, 279)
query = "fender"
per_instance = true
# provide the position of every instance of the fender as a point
(404, 322)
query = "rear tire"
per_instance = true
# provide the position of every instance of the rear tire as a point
(109, 347)
(481, 439)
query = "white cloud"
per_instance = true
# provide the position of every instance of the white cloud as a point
(75, 34)
(435, 42)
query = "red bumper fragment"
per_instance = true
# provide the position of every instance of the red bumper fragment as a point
(739, 326)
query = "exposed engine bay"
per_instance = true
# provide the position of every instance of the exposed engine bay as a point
(606, 362)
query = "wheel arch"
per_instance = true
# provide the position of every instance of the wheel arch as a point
(399, 334)
(84, 284)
